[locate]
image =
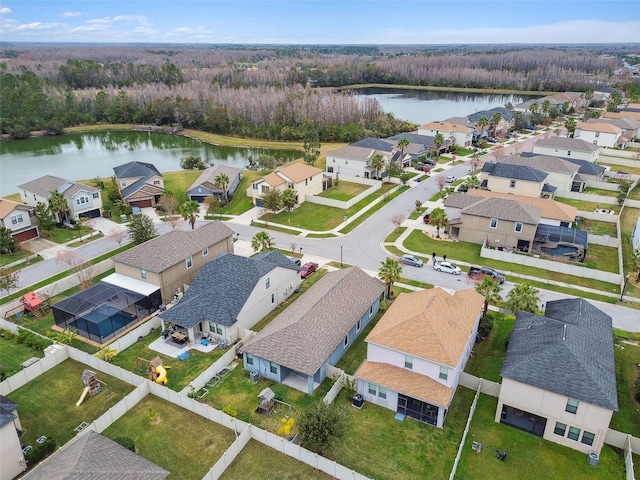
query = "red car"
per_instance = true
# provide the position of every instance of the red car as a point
(307, 269)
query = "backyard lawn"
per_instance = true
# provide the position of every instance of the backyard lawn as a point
(587, 206)
(596, 227)
(627, 418)
(602, 258)
(600, 191)
(12, 354)
(47, 404)
(344, 190)
(179, 441)
(529, 457)
(488, 356)
(628, 221)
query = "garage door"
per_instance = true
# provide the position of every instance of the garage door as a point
(91, 214)
(198, 198)
(259, 202)
(26, 235)
(141, 203)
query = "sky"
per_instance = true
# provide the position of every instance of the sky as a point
(320, 22)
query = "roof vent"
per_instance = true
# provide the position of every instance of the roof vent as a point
(564, 332)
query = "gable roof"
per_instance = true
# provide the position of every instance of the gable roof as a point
(309, 330)
(44, 185)
(514, 171)
(627, 123)
(352, 153)
(507, 114)
(503, 209)
(585, 166)
(549, 208)
(95, 457)
(7, 206)
(207, 178)
(566, 143)
(447, 127)
(545, 163)
(430, 324)
(375, 144)
(604, 127)
(7, 407)
(299, 172)
(568, 351)
(160, 253)
(222, 287)
(136, 169)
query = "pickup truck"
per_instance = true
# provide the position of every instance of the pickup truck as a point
(478, 273)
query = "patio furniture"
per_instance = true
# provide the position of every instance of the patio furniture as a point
(179, 338)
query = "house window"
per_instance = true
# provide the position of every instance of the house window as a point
(156, 182)
(587, 438)
(597, 135)
(408, 362)
(255, 186)
(82, 200)
(372, 389)
(574, 433)
(273, 367)
(290, 185)
(273, 298)
(143, 273)
(16, 219)
(568, 153)
(205, 251)
(346, 162)
(249, 359)
(334, 160)
(512, 184)
(215, 328)
(306, 181)
(189, 262)
(595, 142)
(265, 189)
(493, 223)
(444, 373)
(96, 195)
(382, 393)
(358, 326)
(123, 183)
(572, 405)
(345, 342)
(268, 282)
(371, 310)
(330, 169)
(518, 227)
(560, 429)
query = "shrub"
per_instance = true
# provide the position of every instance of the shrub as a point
(40, 451)
(230, 410)
(8, 335)
(486, 325)
(32, 340)
(126, 442)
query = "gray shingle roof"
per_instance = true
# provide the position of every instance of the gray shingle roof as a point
(94, 457)
(568, 351)
(208, 176)
(160, 253)
(351, 153)
(222, 287)
(515, 172)
(459, 200)
(426, 140)
(586, 167)
(500, 208)
(134, 169)
(506, 114)
(7, 407)
(567, 143)
(545, 163)
(309, 330)
(375, 144)
(44, 185)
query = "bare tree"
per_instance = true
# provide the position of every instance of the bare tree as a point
(441, 181)
(475, 162)
(175, 221)
(118, 235)
(499, 152)
(397, 220)
(169, 204)
(79, 264)
(293, 247)
(9, 279)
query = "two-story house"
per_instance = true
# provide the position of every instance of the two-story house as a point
(416, 352)
(601, 134)
(507, 119)
(303, 179)
(11, 454)
(458, 133)
(207, 183)
(567, 148)
(559, 375)
(524, 180)
(20, 219)
(562, 174)
(83, 201)
(141, 184)
(587, 170)
(630, 126)
(172, 261)
(419, 145)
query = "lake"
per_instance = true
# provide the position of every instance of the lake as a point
(424, 106)
(83, 156)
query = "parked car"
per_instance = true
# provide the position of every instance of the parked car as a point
(426, 169)
(430, 161)
(295, 260)
(451, 178)
(478, 273)
(447, 267)
(491, 140)
(307, 269)
(136, 211)
(426, 217)
(412, 260)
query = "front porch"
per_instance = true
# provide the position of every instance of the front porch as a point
(299, 382)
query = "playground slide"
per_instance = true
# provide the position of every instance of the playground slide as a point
(162, 375)
(84, 394)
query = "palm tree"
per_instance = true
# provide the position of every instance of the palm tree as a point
(546, 105)
(262, 241)
(438, 141)
(289, 199)
(438, 219)
(533, 108)
(390, 271)
(378, 162)
(495, 120)
(490, 290)
(570, 124)
(482, 122)
(402, 144)
(222, 182)
(189, 211)
(58, 204)
(523, 297)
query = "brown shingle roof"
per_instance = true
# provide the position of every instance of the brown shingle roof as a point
(550, 208)
(405, 381)
(430, 324)
(504, 209)
(299, 172)
(164, 251)
(7, 206)
(446, 127)
(309, 330)
(274, 179)
(208, 176)
(598, 127)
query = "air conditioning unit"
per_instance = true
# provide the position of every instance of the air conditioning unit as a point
(254, 376)
(357, 401)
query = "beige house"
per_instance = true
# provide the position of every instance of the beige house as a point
(602, 134)
(303, 179)
(172, 261)
(511, 178)
(416, 352)
(500, 222)
(567, 148)
(11, 456)
(20, 219)
(140, 184)
(460, 133)
(629, 125)
(561, 174)
(559, 377)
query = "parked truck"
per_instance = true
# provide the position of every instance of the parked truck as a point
(478, 273)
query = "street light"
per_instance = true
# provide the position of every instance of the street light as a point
(340, 255)
(624, 285)
(300, 251)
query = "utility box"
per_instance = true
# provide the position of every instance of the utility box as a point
(594, 459)
(357, 401)
(254, 376)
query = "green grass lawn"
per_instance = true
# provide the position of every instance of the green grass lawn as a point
(627, 418)
(179, 441)
(602, 258)
(372, 210)
(587, 206)
(259, 461)
(463, 152)
(239, 202)
(596, 227)
(179, 182)
(64, 235)
(357, 353)
(393, 236)
(12, 354)
(600, 191)
(488, 356)
(624, 168)
(529, 457)
(628, 220)
(47, 404)
(344, 190)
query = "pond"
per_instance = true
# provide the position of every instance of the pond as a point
(83, 156)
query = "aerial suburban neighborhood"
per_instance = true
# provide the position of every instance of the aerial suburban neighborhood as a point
(240, 261)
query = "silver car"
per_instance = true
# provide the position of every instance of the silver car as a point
(412, 260)
(448, 267)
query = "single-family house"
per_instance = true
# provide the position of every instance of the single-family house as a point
(587, 170)
(11, 456)
(602, 134)
(623, 114)
(231, 292)
(388, 148)
(212, 182)
(172, 261)
(559, 376)
(576, 100)
(566, 148)
(630, 126)
(83, 201)
(315, 330)
(140, 183)
(561, 174)
(459, 133)
(416, 352)
(95, 456)
(419, 145)
(524, 180)
(20, 219)
(303, 179)
(507, 119)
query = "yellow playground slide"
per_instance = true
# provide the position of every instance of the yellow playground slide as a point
(162, 375)
(84, 394)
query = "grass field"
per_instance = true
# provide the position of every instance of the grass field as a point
(12, 354)
(587, 206)
(344, 191)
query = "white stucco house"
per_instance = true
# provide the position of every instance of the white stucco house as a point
(460, 133)
(20, 219)
(567, 147)
(601, 134)
(305, 180)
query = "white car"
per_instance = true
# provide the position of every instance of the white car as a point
(451, 178)
(447, 267)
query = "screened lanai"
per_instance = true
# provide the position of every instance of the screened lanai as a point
(565, 242)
